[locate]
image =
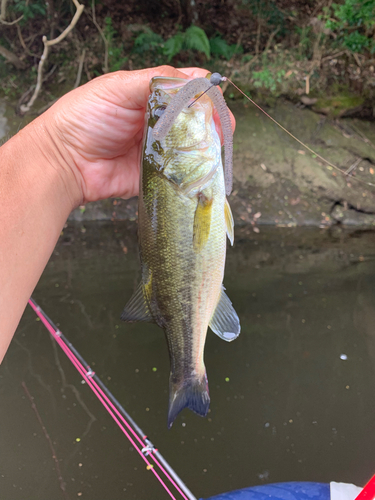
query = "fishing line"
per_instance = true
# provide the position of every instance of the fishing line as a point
(182, 98)
(216, 79)
(296, 139)
(116, 411)
(195, 100)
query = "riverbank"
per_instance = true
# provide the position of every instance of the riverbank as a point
(276, 180)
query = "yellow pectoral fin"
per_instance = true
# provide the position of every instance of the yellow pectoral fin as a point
(202, 222)
(229, 222)
(147, 288)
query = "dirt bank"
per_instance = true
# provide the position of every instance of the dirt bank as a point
(278, 182)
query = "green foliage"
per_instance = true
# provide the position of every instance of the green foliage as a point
(268, 11)
(193, 38)
(268, 79)
(354, 23)
(109, 31)
(148, 41)
(247, 58)
(174, 45)
(116, 58)
(29, 10)
(305, 44)
(220, 48)
(355, 12)
(357, 42)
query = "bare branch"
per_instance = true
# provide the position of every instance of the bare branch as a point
(270, 39)
(106, 44)
(80, 67)
(73, 22)
(25, 107)
(89, 77)
(12, 58)
(47, 44)
(22, 42)
(257, 43)
(3, 14)
(9, 23)
(3, 10)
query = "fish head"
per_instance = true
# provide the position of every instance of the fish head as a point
(192, 127)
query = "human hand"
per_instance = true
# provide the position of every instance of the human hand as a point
(98, 131)
(84, 148)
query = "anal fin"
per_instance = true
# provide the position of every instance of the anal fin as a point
(225, 322)
(137, 308)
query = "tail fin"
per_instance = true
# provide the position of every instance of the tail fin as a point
(192, 393)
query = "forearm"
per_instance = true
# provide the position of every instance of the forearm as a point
(37, 193)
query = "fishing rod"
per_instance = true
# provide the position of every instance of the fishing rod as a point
(368, 492)
(122, 418)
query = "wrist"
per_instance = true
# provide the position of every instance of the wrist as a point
(37, 192)
(51, 160)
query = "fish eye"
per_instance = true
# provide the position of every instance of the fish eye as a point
(159, 111)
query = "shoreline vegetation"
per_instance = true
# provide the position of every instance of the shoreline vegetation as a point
(318, 53)
(310, 63)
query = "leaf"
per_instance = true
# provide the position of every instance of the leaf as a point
(219, 47)
(147, 41)
(196, 39)
(173, 45)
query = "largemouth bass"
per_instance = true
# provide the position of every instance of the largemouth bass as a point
(184, 218)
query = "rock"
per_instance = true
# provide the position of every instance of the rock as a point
(352, 217)
(339, 106)
(302, 189)
(308, 101)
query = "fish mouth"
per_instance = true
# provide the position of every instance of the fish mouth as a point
(167, 86)
(167, 82)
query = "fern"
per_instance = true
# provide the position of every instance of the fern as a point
(193, 38)
(173, 45)
(220, 48)
(196, 38)
(148, 41)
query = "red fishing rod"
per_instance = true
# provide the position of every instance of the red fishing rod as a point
(368, 492)
(128, 426)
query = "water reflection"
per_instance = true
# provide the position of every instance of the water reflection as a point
(286, 404)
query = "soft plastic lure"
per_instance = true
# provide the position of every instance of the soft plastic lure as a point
(183, 97)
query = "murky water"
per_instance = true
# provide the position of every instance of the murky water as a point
(299, 403)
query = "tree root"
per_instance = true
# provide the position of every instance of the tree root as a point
(48, 43)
